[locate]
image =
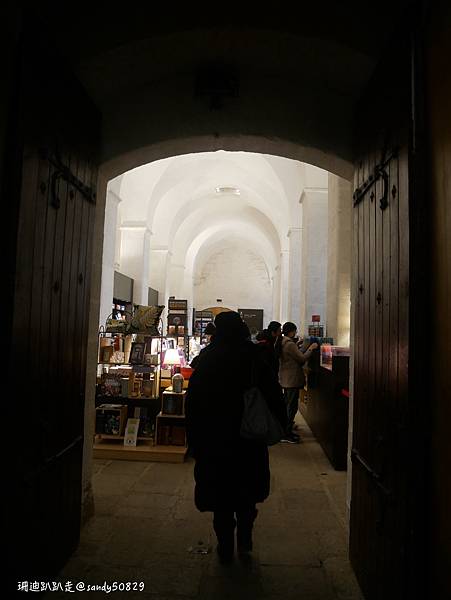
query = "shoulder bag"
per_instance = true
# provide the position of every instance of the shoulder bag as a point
(258, 423)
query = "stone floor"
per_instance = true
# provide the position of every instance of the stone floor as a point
(146, 528)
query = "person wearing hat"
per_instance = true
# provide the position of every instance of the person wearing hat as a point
(231, 473)
(291, 375)
(209, 333)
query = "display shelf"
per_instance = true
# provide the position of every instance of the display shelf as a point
(121, 309)
(145, 451)
(165, 383)
(170, 428)
(113, 333)
(169, 416)
(127, 399)
(177, 322)
(201, 318)
(106, 436)
(114, 373)
(130, 365)
(134, 346)
(125, 364)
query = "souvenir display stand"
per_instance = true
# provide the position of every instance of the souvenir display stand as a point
(129, 396)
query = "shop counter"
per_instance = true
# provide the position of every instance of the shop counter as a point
(325, 405)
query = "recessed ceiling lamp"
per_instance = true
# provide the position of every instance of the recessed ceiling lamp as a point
(228, 190)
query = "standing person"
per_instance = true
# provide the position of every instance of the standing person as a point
(231, 473)
(269, 343)
(291, 375)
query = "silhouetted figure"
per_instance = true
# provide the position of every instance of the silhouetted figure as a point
(269, 344)
(231, 473)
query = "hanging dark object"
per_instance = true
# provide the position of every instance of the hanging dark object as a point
(217, 82)
(375, 477)
(379, 172)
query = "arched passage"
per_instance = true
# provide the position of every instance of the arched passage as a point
(307, 123)
(177, 199)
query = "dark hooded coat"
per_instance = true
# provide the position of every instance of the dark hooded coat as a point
(229, 471)
(270, 349)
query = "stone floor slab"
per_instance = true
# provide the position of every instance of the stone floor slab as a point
(146, 526)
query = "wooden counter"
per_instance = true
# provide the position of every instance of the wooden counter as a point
(325, 407)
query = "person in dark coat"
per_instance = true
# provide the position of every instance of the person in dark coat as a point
(231, 473)
(269, 343)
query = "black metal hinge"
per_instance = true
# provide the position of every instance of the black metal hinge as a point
(375, 477)
(378, 173)
(61, 171)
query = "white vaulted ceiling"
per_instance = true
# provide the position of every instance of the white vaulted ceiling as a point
(178, 234)
(176, 199)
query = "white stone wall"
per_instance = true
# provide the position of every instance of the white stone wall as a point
(339, 261)
(237, 275)
(314, 257)
(135, 256)
(109, 254)
(295, 264)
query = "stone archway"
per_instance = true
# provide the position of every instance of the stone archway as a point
(312, 101)
(135, 158)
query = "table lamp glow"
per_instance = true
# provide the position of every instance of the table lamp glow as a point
(171, 358)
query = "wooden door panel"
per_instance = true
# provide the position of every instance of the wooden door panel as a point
(381, 479)
(61, 137)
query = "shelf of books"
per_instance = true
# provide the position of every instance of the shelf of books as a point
(177, 324)
(201, 318)
(131, 378)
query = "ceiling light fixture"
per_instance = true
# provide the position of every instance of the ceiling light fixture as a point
(228, 190)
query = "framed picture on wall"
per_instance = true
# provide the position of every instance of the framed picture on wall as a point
(137, 353)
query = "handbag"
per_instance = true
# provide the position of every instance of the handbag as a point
(258, 423)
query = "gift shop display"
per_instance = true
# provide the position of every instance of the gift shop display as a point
(130, 384)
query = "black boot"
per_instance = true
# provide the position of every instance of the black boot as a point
(224, 526)
(245, 520)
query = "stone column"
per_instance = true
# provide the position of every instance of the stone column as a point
(294, 299)
(135, 258)
(108, 255)
(159, 261)
(314, 256)
(339, 260)
(275, 295)
(188, 294)
(117, 252)
(176, 280)
(285, 285)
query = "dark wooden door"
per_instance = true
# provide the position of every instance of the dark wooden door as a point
(57, 137)
(388, 446)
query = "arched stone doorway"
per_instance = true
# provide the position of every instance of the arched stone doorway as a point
(133, 159)
(312, 128)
